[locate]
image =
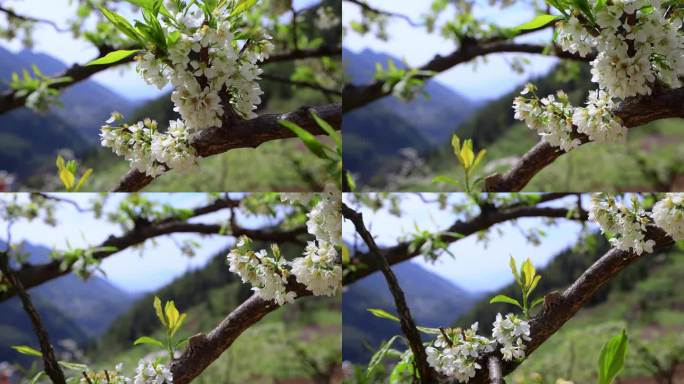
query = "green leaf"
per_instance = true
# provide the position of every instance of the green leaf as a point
(148, 340)
(122, 25)
(67, 178)
(242, 6)
(37, 377)
(446, 180)
(534, 284)
(73, 366)
(307, 138)
(538, 22)
(327, 128)
(158, 310)
(504, 299)
(514, 269)
(381, 313)
(536, 302)
(26, 350)
(114, 57)
(380, 354)
(612, 358)
(403, 369)
(83, 179)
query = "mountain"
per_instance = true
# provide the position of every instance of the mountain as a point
(375, 133)
(433, 301)
(87, 104)
(70, 308)
(30, 141)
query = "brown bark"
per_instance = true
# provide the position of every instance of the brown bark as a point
(245, 134)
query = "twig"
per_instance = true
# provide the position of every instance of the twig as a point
(408, 326)
(10, 13)
(52, 368)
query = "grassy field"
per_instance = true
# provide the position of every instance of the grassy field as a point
(651, 160)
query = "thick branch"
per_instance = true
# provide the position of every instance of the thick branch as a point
(203, 349)
(486, 219)
(357, 96)
(52, 368)
(408, 326)
(33, 275)
(634, 112)
(559, 308)
(245, 134)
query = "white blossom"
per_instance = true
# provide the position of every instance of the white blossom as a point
(668, 214)
(325, 219)
(597, 120)
(152, 373)
(511, 332)
(627, 225)
(319, 269)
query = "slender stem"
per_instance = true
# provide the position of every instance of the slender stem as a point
(50, 363)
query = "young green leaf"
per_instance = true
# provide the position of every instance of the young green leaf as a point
(315, 146)
(242, 6)
(504, 299)
(158, 310)
(381, 313)
(148, 340)
(327, 128)
(114, 57)
(380, 354)
(26, 350)
(612, 358)
(539, 21)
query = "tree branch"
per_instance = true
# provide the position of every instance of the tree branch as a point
(203, 349)
(559, 308)
(486, 219)
(11, 14)
(364, 6)
(51, 366)
(244, 134)
(356, 96)
(634, 112)
(36, 274)
(408, 326)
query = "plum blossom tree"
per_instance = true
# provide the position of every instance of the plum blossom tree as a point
(635, 225)
(311, 220)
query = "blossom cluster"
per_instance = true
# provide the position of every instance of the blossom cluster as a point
(318, 269)
(267, 274)
(636, 42)
(626, 225)
(668, 214)
(637, 45)
(207, 64)
(146, 373)
(550, 116)
(147, 149)
(152, 373)
(455, 353)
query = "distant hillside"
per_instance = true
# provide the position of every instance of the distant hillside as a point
(29, 141)
(375, 133)
(70, 308)
(433, 300)
(87, 104)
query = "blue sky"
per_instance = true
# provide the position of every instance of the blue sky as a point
(130, 269)
(484, 80)
(477, 266)
(63, 46)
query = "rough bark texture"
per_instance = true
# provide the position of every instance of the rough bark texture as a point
(634, 112)
(408, 326)
(486, 219)
(204, 349)
(561, 307)
(245, 134)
